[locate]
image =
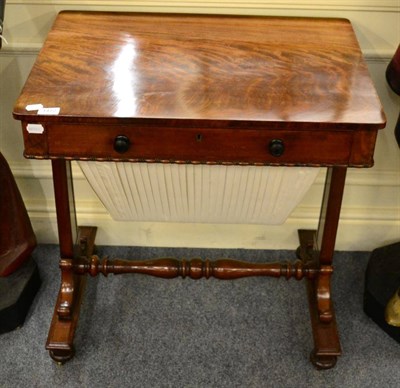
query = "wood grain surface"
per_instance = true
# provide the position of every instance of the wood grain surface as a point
(202, 70)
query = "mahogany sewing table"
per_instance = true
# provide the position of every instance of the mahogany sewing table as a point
(237, 90)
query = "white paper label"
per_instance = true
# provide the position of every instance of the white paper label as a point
(35, 128)
(32, 107)
(49, 111)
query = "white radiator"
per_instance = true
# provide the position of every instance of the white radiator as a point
(198, 193)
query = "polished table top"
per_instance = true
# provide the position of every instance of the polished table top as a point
(201, 89)
(201, 68)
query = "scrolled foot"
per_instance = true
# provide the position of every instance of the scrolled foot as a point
(322, 362)
(62, 356)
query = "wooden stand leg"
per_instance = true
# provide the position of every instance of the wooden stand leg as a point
(66, 312)
(317, 249)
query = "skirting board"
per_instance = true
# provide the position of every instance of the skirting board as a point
(353, 235)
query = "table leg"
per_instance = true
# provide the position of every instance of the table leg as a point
(316, 251)
(66, 313)
(318, 248)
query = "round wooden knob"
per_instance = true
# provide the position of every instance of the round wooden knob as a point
(276, 147)
(121, 144)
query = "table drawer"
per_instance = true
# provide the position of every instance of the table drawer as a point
(199, 145)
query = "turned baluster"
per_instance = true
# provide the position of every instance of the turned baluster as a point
(195, 268)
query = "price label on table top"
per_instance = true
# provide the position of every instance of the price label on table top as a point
(53, 111)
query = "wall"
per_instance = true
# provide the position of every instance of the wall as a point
(371, 208)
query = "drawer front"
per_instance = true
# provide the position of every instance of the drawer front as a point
(193, 145)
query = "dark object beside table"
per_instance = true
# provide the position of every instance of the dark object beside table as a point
(17, 292)
(19, 276)
(159, 88)
(382, 278)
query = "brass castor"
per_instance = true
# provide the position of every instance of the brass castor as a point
(62, 356)
(322, 362)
